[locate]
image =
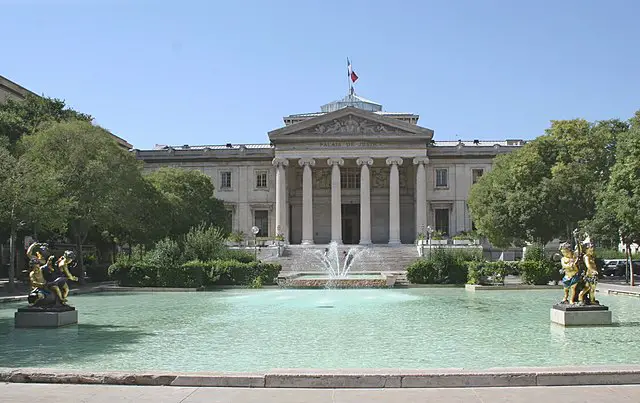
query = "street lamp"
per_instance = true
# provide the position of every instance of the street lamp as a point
(254, 231)
(429, 232)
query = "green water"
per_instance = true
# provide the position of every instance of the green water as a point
(253, 330)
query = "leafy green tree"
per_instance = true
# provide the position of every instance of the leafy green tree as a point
(96, 177)
(25, 117)
(545, 189)
(190, 196)
(30, 197)
(617, 215)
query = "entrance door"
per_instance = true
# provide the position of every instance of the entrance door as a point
(351, 223)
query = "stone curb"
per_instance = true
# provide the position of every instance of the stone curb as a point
(319, 379)
(514, 287)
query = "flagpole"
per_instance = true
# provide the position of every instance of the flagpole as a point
(349, 68)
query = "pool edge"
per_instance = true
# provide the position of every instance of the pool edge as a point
(367, 378)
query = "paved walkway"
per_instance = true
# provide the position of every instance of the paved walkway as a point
(29, 393)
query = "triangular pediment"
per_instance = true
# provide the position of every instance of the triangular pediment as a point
(350, 123)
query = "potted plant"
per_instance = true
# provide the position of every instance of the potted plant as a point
(236, 238)
(421, 239)
(462, 238)
(438, 238)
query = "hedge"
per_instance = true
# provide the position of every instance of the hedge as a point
(194, 274)
(487, 273)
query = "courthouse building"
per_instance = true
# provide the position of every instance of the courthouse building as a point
(351, 173)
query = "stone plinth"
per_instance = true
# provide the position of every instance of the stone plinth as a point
(33, 317)
(574, 315)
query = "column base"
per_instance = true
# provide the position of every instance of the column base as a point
(339, 242)
(307, 242)
(365, 242)
(394, 242)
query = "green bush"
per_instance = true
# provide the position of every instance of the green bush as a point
(534, 252)
(443, 267)
(538, 272)
(486, 273)
(422, 271)
(119, 271)
(166, 252)
(141, 274)
(203, 243)
(97, 272)
(233, 272)
(185, 276)
(236, 254)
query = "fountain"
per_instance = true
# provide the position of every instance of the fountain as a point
(336, 272)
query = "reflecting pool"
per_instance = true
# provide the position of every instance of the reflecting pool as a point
(255, 330)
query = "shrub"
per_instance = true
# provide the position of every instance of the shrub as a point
(203, 243)
(166, 252)
(141, 274)
(450, 266)
(538, 272)
(486, 273)
(188, 275)
(97, 272)
(119, 271)
(239, 255)
(534, 252)
(233, 272)
(422, 271)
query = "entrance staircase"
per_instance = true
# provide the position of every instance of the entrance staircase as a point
(374, 258)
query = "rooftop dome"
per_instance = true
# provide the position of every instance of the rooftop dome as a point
(352, 100)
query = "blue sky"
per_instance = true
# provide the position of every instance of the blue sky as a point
(212, 72)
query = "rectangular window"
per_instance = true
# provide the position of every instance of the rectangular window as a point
(261, 220)
(442, 178)
(350, 178)
(261, 179)
(225, 180)
(476, 174)
(442, 220)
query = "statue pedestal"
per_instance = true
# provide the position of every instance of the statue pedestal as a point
(573, 315)
(38, 317)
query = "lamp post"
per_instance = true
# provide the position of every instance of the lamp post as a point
(254, 231)
(429, 231)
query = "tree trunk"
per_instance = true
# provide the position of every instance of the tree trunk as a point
(12, 257)
(80, 258)
(631, 280)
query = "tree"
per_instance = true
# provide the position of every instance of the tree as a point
(25, 117)
(97, 178)
(546, 188)
(617, 217)
(29, 197)
(190, 197)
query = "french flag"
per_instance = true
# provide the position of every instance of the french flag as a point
(351, 73)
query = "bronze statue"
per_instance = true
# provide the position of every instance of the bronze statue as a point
(49, 277)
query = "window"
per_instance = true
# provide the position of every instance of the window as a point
(442, 220)
(225, 180)
(261, 220)
(476, 174)
(261, 179)
(350, 178)
(442, 176)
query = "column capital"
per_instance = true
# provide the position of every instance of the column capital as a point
(335, 161)
(306, 161)
(280, 162)
(394, 161)
(420, 160)
(364, 161)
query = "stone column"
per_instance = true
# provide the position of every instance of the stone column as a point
(307, 200)
(394, 200)
(336, 199)
(365, 200)
(281, 195)
(421, 194)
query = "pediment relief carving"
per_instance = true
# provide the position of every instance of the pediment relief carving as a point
(349, 125)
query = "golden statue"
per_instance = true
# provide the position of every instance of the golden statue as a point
(569, 262)
(580, 272)
(590, 276)
(49, 277)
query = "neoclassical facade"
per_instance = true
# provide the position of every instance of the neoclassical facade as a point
(352, 174)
